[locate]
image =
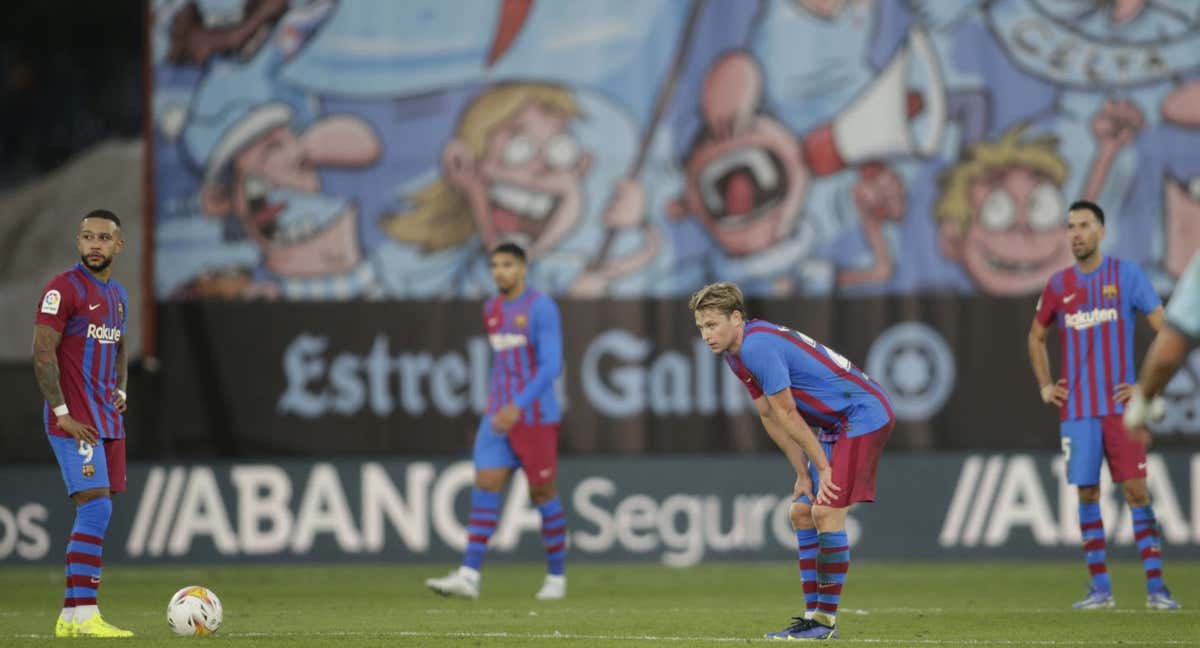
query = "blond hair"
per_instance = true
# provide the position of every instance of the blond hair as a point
(724, 296)
(440, 217)
(986, 158)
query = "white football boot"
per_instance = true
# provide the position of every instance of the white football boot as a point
(554, 588)
(463, 582)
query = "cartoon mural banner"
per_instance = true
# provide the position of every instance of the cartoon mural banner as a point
(317, 150)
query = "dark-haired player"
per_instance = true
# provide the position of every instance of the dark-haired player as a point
(1094, 304)
(520, 428)
(80, 363)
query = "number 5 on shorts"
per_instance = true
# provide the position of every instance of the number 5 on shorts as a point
(1066, 448)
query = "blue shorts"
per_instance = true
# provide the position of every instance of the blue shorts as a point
(492, 449)
(533, 448)
(813, 476)
(1086, 442)
(83, 466)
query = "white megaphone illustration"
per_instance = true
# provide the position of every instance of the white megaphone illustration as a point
(902, 112)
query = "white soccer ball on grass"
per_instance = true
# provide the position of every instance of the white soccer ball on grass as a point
(195, 611)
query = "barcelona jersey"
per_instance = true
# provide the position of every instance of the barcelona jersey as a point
(526, 339)
(90, 315)
(1095, 313)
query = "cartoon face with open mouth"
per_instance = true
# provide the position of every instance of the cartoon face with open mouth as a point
(527, 187)
(746, 178)
(1182, 214)
(276, 195)
(302, 233)
(1015, 240)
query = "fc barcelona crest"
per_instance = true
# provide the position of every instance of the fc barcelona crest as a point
(89, 470)
(521, 320)
(1109, 291)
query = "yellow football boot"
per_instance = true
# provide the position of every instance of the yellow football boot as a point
(64, 628)
(98, 627)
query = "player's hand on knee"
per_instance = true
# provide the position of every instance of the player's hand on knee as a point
(1055, 393)
(828, 490)
(803, 487)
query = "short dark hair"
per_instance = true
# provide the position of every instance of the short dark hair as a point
(1090, 206)
(104, 214)
(510, 248)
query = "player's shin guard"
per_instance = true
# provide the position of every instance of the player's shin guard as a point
(485, 511)
(807, 541)
(1091, 527)
(833, 562)
(554, 536)
(84, 555)
(1145, 532)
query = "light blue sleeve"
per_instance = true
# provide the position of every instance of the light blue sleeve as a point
(546, 336)
(1145, 299)
(766, 363)
(1183, 310)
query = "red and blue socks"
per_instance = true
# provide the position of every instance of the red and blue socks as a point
(485, 511)
(84, 557)
(833, 562)
(1145, 533)
(554, 536)
(1091, 527)
(806, 540)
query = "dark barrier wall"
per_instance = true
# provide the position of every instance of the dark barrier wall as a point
(677, 511)
(243, 379)
(412, 377)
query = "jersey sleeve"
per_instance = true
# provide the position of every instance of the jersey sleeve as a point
(1142, 293)
(1047, 305)
(1183, 310)
(124, 306)
(57, 304)
(766, 365)
(546, 335)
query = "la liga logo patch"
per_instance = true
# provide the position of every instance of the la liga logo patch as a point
(51, 301)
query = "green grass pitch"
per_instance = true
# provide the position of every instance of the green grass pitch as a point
(886, 604)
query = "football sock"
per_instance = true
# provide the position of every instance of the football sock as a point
(554, 536)
(806, 539)
(833, 562)
(485, 511)
(1091, 527)
(1145, 533)
(68, 611)
(83, 555)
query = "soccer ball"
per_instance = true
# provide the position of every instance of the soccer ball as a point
(194, 611)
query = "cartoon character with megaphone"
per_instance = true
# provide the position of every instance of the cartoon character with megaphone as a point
(773, 203)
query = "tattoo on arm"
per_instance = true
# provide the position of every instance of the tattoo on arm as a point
(45, 363)
(122, 365)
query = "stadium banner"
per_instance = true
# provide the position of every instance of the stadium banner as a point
(333, 150)
(677, 511)
(348, 379)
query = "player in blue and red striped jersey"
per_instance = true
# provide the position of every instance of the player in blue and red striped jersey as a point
(798, 384)
(80, 363)
(1094, 303)
(520, 428)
